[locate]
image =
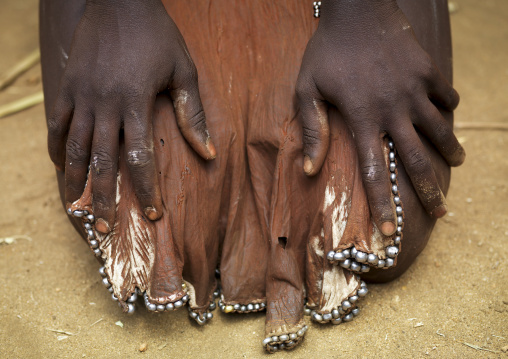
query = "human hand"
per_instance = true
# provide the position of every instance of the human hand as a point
(123, 53)
(365, 60)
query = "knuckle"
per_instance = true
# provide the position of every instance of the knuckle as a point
(311, 136)
(102, 162)
(418, 161)
(75, 151)
(139, 158)
(197, 121)
(373, 173)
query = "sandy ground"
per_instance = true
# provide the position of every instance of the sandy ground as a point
(453, 301)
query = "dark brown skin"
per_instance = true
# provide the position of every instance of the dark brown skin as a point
(106, 87)
(383, 83)
(236, 207)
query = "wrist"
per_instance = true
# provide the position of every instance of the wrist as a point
(354, 13)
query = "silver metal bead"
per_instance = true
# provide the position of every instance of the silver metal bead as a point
(346, 264)
(106, 283)
(400, 220)
(372, 259)
(361, 257)
(94, 244)
(399, 231)
(391, 146)
(353, 252)
(290, 344)
(393, 177)
(160, 308)
(110, 289)
(317, 317)
(393, 167)
(102, 271)
(267, 341)
(346, 253)
(355, 311)
(293, 336)
(355, 267)
(209, 315)
(339, 256)
(69, 211)
(301, 332)
(392, 251)
(272, 348)
(363, 284)
(389, 262)
(216, 293)
(327, 317)
(131, 308)
(263, 305)
(113, 296)
(236, 307)
(185, 298)
(381, 263)
(243, 308)
(282, 346)
(307, 311)
(275, 339)
(346, 305)
(133, 298)
(395, 189)
(362, 292)
(396, 240)
(151, 307)
(78, 214)
(365, 268)
(171, 306)
(353, 299)
(250, 307)
(398, 210)
(90, 218)
(201, 321)
(330, 255)
(212, 306)
(284, 337)
(391, 156)
(90, 234)
(178, 304)
(348, 317)
(336, 321)
(88, 226)
(396, 200)
(193, 315)
(257, 306)
(335, 314)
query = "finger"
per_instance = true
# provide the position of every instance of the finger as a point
(442, 92)
(141, 160)
(313, 117)
(190, 115)
(419, 168)
(104, 165)
(79, 144)
(376, 179)
(440, 133)
(58, 126)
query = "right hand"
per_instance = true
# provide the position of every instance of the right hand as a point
(123, 53)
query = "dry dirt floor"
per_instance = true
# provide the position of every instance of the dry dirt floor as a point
(452, 303)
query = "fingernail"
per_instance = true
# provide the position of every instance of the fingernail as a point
(151, 213)
(439, 211)
(211, 150)
(102, 226)
(387, 228)
(307, 165)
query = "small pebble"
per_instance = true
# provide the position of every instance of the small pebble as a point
(143, 347)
